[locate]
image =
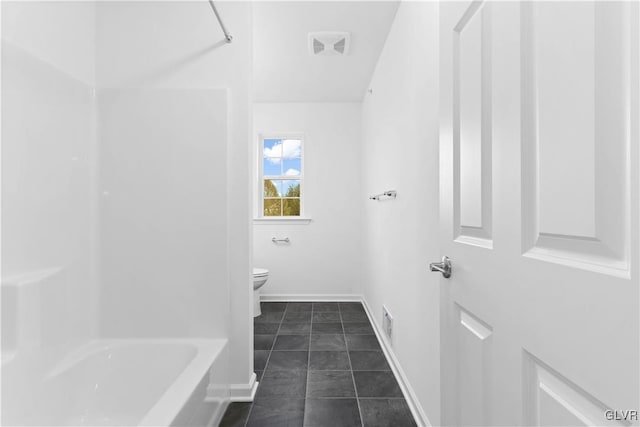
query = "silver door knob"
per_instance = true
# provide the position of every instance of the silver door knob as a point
(443, 267)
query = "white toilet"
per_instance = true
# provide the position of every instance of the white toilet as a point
(260, 277)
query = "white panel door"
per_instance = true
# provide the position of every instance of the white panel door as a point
(539, 209)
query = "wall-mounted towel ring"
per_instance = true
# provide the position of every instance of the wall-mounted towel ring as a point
(276, 241)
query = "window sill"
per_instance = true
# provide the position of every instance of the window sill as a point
(286, 220)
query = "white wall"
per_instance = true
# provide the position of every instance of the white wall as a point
(164, 225)
(60, 34)
(48, 150)
(324, 256)
(179, 46)
(400, 237)
(48, 166)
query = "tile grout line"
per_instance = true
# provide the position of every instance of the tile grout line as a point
(306, 384)
(358, 398)
(273, 344)
(355, 388)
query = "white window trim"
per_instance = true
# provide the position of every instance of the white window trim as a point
(283, 220)
(261, 219)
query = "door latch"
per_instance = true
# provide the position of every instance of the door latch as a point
(443, 267)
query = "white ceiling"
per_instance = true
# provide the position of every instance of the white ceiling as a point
(283, 70)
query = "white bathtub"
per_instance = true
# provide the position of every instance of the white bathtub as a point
(115, 383)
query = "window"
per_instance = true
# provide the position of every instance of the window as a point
(281, 176)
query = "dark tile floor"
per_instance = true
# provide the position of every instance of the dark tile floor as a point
(319, 364)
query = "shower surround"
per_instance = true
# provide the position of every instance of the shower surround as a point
(116, 166)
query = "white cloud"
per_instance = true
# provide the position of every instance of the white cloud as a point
(287, 148)
(292, 172)
(274, 151)
(275, 161)
(291, 148)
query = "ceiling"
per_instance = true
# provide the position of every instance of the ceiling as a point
(283, 70)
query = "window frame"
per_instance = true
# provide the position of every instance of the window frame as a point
(261, 177)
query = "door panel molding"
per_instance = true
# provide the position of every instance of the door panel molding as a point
(575, 140)
(551, 399)
(474, 355)
(472, 126)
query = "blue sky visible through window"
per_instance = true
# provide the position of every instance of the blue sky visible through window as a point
(282, 167)
(282, 157)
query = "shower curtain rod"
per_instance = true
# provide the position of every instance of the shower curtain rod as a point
(227, 36)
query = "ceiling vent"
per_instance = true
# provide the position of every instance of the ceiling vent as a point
(327, 43)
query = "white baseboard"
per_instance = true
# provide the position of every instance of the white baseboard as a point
(412, 400)
(243, 392)
(309, 297)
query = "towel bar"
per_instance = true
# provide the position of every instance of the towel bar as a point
(285, 240)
